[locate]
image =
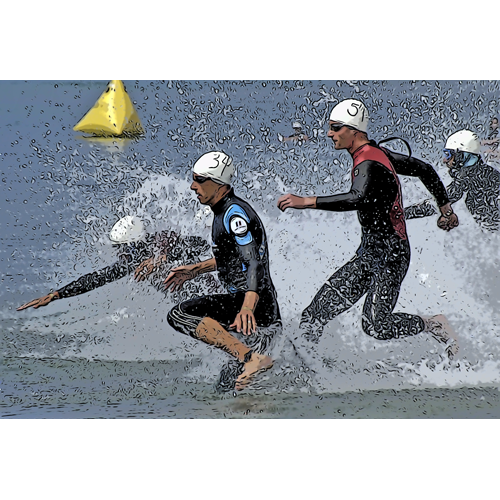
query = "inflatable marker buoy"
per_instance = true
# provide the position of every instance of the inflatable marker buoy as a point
(113, 115)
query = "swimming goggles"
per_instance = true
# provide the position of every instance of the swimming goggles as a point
(448, 153)
(336, 127)
(199, 179)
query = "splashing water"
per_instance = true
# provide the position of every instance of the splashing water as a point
(63, 193)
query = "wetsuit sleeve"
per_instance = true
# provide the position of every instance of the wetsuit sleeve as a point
(455, 191)
(243, 229)
(419, 210)
(426, 208)
(417, 168)
(361, 191)
(96, 279)
(255, 269)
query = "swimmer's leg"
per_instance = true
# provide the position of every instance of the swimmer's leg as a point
(389, 271)
(184, 319)
(341, 291)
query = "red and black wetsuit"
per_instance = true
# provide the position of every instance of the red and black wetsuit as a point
(382, 260)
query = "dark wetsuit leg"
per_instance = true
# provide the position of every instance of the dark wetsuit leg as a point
(378, 269)
(378, 319)
(186, 317)
(342, 290)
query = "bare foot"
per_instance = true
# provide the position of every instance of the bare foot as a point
(258, 363)
(442, 331)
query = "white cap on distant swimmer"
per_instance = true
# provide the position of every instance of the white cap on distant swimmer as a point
(127, 230)
(296, 125)
(216, 165)
(464, 140)
(352, 113)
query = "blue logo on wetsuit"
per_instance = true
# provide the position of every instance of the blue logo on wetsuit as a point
(236, 222)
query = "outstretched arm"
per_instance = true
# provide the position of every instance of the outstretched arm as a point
(179, 275)
(294, 201)
(42, 301)
(83, 284)
(96, 279)
(353, 200)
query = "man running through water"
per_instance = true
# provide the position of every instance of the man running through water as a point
(471, 176)
(133, 247)
(242, 260)
(381, 262)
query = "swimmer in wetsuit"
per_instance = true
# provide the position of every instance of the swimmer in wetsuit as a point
(381, 262)
(242, 260)
(133, 247)
(471, 176)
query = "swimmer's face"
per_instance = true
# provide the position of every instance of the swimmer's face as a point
(341, 135)
(494, 124)
(206, 189)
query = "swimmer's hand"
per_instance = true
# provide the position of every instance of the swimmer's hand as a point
(245, 322)
(178, 276)
(294, 201)
(447, 223)
(145, 268)
(448, 220)
(42, 301)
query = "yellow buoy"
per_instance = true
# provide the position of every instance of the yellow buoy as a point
(112, 115)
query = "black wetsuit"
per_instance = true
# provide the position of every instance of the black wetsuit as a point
(240, 249)
(381, 261)
(239, 246)
(481, 184)
(132, 254)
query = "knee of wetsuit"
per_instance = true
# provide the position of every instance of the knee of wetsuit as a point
(376, 329)
(182, 322)
(178, 321)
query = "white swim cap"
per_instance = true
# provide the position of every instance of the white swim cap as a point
(464, 140)
(296, 125)
(127, 230)
(215, 165)
(351, 112)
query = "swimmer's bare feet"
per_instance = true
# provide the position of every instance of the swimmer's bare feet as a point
(257, 363)
(442, 331)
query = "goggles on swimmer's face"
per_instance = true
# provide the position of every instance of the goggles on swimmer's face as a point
(448, 153)
(199, 179)
(335, 127)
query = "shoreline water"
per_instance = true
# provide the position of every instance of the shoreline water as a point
(32, 388)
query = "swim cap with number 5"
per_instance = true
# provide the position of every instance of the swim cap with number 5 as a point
(351, 112)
